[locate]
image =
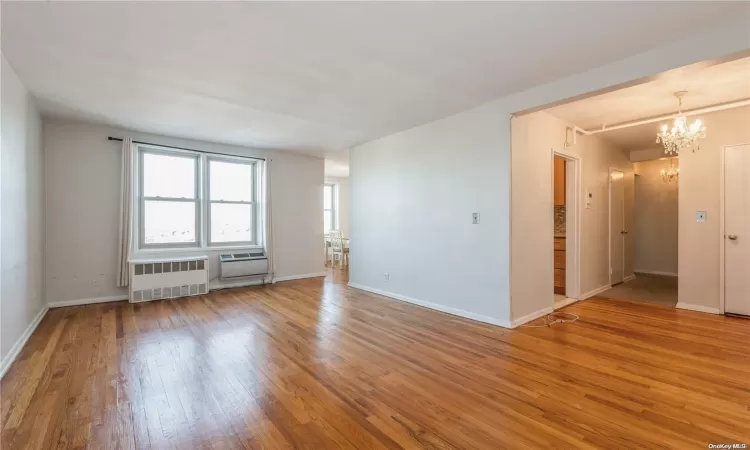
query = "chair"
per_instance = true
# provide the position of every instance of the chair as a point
(338, 248)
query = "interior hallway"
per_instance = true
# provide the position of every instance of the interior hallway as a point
(315, 363)
(655, 289)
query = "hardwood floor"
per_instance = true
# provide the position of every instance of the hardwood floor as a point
(316, 364)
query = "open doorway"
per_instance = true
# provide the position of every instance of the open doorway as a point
(662, 244)
(654, 235)
(565, 173)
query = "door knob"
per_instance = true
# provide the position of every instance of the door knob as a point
(732, 237)
(623, 232)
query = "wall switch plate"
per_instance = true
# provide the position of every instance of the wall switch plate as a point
(700, 216)
(475, 218)
(386, 276)
(589, 199)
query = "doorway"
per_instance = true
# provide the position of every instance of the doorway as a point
(566, 217)
(617, 231)
(736, 221)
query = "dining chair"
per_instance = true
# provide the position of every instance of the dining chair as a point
(338, 248)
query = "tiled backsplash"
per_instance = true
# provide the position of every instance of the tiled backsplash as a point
(559, 220)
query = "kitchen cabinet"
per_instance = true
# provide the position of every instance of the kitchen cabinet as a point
(559, 258)
(559, 182)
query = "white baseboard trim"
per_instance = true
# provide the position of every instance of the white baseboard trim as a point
(655, 272)
(592, 293)
(529, 317)
(699, 308)
(628, 278)
(87, 301)
(16, 349)
(435, 306)
(299, 277)
(567, 302)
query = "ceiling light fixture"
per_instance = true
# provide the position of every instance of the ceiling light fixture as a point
(671, 174)
(681, 136)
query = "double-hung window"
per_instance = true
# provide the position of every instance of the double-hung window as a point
(170, 205)
(194, 200)
(231, 196)
(329, 208)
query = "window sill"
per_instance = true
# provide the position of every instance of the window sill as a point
(191, 250)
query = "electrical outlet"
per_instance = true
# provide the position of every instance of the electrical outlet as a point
(386, 276)
(475, 218)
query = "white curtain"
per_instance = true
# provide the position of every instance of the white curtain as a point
(126, 212)
(268, 219)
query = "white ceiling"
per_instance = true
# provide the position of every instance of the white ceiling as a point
(706, 86)
(315, 77)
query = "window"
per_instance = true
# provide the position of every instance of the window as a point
(172, 212)
(231, 199)
(169, 204)
(329, 208)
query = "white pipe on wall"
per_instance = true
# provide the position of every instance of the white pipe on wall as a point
(704, 110)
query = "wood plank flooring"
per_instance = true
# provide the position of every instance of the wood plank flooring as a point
(316, 364)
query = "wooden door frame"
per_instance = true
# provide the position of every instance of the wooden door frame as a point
(609, 221)
(573, 195)
(722, 235)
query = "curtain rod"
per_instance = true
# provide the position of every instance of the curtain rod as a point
(188, 149)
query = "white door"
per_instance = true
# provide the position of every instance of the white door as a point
(617, 226)
(737, 230)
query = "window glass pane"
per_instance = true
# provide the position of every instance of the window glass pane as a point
(326, 221)
(327, 197)
(168, 222)
(231, 223)
(168, 176)
(231, 181)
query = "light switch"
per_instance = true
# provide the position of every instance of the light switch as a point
(700, 216)
(475, 218)
(589, 198)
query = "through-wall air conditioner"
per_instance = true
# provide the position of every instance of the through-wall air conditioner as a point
(161, 278)
(247, 264)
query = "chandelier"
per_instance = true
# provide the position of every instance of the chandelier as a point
(682, 136)
(671, 174)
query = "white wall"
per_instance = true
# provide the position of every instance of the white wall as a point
(699, 242)
(534, 138)
(656, 218)
(21, 213)
(82, 177)
(342, 189)
(413, 195)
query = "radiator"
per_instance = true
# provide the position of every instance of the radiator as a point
(159, 278)
(238, 265)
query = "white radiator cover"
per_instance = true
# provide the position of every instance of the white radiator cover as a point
(161, 278)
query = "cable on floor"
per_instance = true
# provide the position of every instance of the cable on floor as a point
(555, 317)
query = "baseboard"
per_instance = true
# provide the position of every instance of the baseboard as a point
(567, 302)
(598, 290)
(699, 308)
(87, 301)
(628, 278)
(529, 317)
(435, 306)
(299, 277)
(656, 272)
(16, 349)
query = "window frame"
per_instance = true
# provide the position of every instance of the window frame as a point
(202, 202)
(333, 211)
(253, 202)
(142, 198)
